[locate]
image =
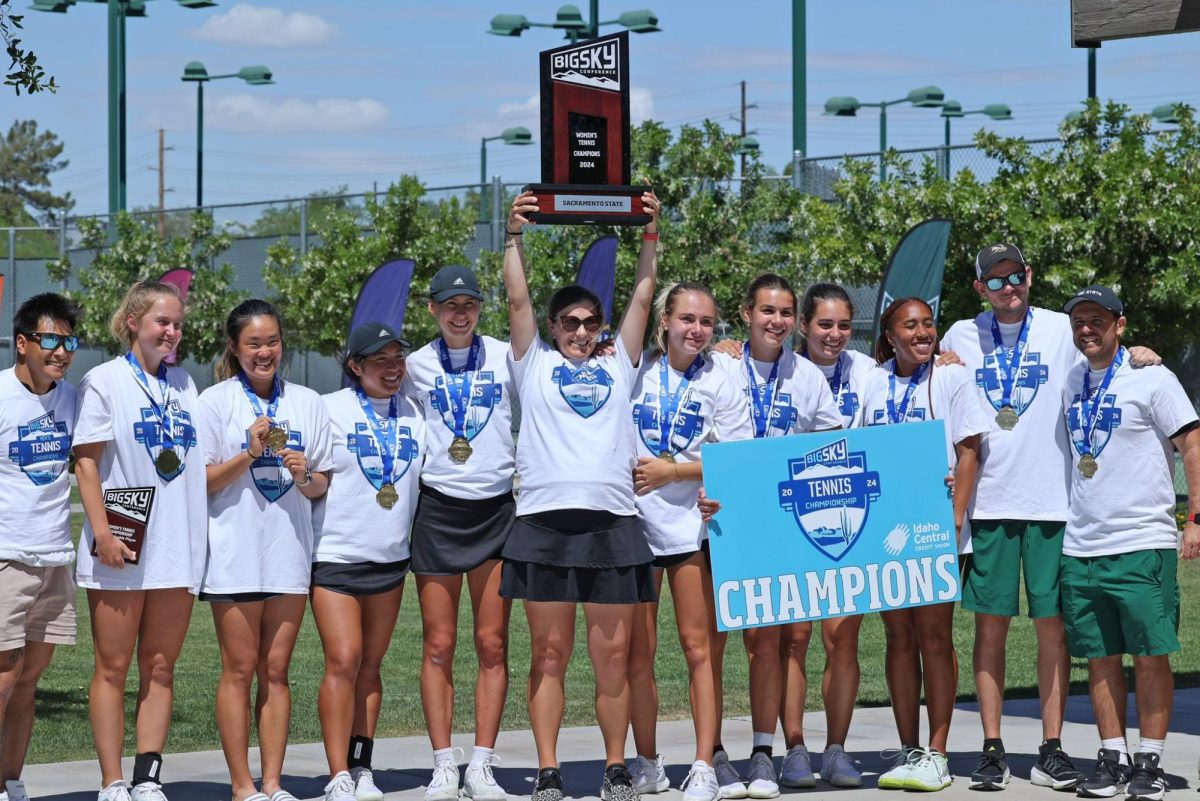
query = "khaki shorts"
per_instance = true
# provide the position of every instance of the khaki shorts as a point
(37, 604)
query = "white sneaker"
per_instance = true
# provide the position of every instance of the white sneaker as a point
(896, 778)
(340, 787)
(117, 791)
(147, 791)
(15, 790)
(480, 784)
(443, 785)
(760, 778)
(649, 776)
(364, 785)
(727, 777)
(930, 771)
(701, 783)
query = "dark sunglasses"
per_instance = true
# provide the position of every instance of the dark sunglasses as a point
(590, 324)
(997, 283)
(49, 341)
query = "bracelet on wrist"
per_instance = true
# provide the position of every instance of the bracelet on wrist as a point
(307, 479)
(650, 236)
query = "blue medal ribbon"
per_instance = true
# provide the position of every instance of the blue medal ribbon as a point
(385, 437)
(1008, 370)
(898, 413)
(668, 402)
(1089, 411)
(161, 413)
(252, 396)
(459, 392)
(762, 406)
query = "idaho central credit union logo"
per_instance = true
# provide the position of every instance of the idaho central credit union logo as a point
(597, 65)
(586, 389)
(830, 494)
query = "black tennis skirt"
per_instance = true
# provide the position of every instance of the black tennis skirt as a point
(359, 578)
(578, 556)
(452, 536)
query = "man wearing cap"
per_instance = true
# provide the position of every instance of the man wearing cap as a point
(1020, 356)
(1119, 593)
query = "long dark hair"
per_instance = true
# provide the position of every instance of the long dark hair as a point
(767, 281)
(883, 348)
(238, 319)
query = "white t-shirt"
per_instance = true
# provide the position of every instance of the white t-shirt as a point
(713, 408)
(487, 422)
(114, 409)
(351, 526)
(1023, 474)
(260, 529)
(853, 372)
(1129, 504)
(35, 515)
(953, 399)
(575, 449)
(800, 400)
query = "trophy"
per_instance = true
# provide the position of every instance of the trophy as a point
(585, 136)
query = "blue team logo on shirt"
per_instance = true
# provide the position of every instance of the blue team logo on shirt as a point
(149, 432)
(585, 389)
(362, 444)
(784, 416)
(830, 494)
(485, 397)
(1109, 419)
(689, 423)
(849, 403)
(880, 418)
(41, 449)
(1030, 375)
(270, 477)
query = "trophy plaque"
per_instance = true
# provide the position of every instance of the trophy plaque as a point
(585, 136)
(128, 513)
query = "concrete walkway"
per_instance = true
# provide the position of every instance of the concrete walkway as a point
(402, 764)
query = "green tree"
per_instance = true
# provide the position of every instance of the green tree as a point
(316, 291)
(27, 160)
(136, 254)
(25, 73)
(284, 220)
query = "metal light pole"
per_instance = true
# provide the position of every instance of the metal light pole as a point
(570, 19)
(799, 79)
(952, 109)
(510, 136)
(195, 72)
(922, 97)
(117, 11)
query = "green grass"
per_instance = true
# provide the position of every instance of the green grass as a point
(63, 732)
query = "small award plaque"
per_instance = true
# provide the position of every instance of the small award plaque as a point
(585, 136)
(128, 512)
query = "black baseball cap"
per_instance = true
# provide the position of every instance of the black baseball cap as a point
(454, 280)
(370, 338)
(992, 255)
(1100, 295)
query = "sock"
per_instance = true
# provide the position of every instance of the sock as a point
(1052, 744)
(360, 752)
(480, 755)
(441, 755)
(1148, 746)
(147, 767)
(762, 742)
(762, 749)
(1117, 744)
(993, 744)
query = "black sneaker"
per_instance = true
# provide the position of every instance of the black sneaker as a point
(617, 786)
(992, 771)
(549, 785)
(1108, 779)
(1054, 768)
(1147, 781)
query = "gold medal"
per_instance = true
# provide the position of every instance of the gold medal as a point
(387, 496)
(667, 456)
(167, 462)
(1007, 418)
(460, 450)
(1088, 465)
(277, 438)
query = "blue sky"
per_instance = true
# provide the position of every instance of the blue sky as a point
(370, 89)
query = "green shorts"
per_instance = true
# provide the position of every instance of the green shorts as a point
(1127, 603)
(992, 575)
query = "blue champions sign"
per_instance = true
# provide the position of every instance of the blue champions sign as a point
(830, 524)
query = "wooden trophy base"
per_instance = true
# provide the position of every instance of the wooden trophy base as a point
(589, 204)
